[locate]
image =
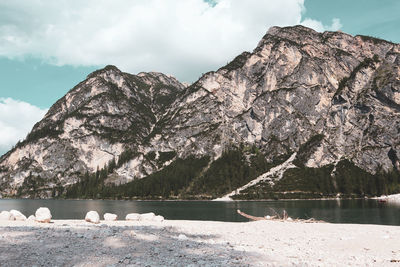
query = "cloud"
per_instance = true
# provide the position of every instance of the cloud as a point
(319, 27)
(16, 120)
(179, 37)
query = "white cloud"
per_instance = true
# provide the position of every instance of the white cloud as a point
(16, 120)
(319, 27)
(179, 37)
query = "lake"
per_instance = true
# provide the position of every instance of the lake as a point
(335, 211)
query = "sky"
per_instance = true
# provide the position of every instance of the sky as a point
(47, 46)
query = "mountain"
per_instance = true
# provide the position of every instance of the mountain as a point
(306, 114)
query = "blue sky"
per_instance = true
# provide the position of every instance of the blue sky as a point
(47, 47)
(378, 18)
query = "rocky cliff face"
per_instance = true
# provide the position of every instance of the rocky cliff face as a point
(95, 122)
(321, 98)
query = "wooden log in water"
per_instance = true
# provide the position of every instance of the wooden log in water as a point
(276, 218)
(254, 218)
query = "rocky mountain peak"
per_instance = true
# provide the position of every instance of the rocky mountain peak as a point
(291, 31)
(153, 78)
(109, 69)
(302, 104)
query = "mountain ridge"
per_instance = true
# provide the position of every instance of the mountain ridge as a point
(330, 97)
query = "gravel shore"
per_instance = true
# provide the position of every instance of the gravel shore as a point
(197, 243)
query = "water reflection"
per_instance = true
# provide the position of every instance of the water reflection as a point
(336, 211)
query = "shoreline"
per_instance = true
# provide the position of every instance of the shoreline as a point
(194, 243)
(200, 200)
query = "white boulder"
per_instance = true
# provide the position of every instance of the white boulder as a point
(132, 217)
(18, 215)
(144, 217)
(147, 216)
(31, 218)
(110, 217)
(6, 216)
(92, 216)
(158, 218)
(182, 237)
(43, 215)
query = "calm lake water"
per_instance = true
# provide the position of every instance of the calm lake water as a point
(335, 211)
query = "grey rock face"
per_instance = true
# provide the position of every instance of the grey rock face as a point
(92, 124)
(296, 84)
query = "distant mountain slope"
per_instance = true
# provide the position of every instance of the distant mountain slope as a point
(332, 98)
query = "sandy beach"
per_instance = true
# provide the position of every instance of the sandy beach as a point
(197, 243)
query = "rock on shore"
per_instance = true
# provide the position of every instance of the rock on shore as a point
(110, 217)
(12, 215)
(43, 215)
(132, 217)
(92, 216)
(6, 216)
(18, 216)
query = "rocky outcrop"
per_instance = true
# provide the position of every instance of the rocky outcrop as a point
(330, 97)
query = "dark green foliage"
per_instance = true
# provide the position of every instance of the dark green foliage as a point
(34, 185)
(307, 149)
(162, 157)
(352, 180)
(151, 155)
(296, 183)
(49, 131)
(374, 40)
(392, 156)
(363, 108)
(363, 64)
(237, 62)
(165, 156)
(125, 156)
(112, 165)
(162, 99)
(304, 183)
(134, 81)
(167, 183)
(184, 178)
(230, 171)
(313, 180)
(390, 182)
(188, 179)
(31, 183)
(3, 168)
(224, 175)
(90, 185)
(106, 68)
(342, 84)
(278, 40)
(342, 53)
(383, 78)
